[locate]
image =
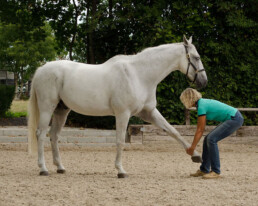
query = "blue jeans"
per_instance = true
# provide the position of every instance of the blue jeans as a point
(210, 153)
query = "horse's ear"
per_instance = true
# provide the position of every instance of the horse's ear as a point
(185, 41)
(190, 40)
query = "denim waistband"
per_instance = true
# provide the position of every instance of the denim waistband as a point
(238, 116)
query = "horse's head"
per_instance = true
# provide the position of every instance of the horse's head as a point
(191, 64)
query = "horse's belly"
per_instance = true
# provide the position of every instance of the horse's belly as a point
(88, 104)
(86, 92)
(89, 108)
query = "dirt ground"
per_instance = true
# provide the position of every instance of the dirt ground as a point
(158, 175)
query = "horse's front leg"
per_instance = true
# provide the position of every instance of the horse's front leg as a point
(121, 126)
(158, 120)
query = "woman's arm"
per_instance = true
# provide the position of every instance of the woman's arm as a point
(198, 134)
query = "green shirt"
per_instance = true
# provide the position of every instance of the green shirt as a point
(215, 110)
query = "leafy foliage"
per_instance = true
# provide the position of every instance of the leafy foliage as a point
(23, 56)
(224, 33)
(6, 97)
(78, 120)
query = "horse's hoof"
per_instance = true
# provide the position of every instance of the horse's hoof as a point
(60, 171)
(43, 173)
(122, 175)
(197, 159)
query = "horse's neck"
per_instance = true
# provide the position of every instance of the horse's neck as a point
(154, 64)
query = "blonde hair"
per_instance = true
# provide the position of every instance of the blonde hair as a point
(189, 96)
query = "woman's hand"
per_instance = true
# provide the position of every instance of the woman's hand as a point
(198, 134)
(190, 150)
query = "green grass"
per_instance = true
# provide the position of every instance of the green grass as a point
(10, 114)
(18, 109)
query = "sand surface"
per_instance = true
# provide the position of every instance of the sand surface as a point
(158, 175)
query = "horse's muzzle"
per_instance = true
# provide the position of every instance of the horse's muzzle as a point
(201, 83)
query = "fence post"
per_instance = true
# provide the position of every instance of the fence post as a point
(187, 116)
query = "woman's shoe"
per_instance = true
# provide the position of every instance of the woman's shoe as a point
(211, 175)
(198, 173)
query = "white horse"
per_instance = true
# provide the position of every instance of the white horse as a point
(123, 86)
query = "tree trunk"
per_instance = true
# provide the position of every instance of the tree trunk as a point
(90, 36)
(110, 7)
(91, 49)
(75, 31)
(22, 84)
(16, 86)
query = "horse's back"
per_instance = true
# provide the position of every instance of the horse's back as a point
(59, 71)
(63, 66)
(91, 89)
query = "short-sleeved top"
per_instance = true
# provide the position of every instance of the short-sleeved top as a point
(215, 110)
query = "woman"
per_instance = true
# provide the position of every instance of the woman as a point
(210, 109)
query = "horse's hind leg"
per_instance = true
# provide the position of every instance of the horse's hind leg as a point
(46, 106)
(58, 122)
(44, 120)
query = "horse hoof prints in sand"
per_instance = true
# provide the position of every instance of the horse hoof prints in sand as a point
(123, 86)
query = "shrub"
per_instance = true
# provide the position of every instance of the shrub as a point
(6, 97)
(106, 122)
(78, 120)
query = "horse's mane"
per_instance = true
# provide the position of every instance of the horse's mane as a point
(145, 52)
(156, 48)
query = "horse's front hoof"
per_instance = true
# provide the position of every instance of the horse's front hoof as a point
(43, 173)
(122, 175)
(60, 171)
(197, 159)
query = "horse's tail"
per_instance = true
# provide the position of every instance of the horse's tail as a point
(33, 122)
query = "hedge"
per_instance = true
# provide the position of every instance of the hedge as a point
(6, 97)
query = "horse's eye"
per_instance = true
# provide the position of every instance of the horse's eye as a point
(197, 58)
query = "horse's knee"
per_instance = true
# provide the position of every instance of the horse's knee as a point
(120, 145)
(38, 132)
(54, 138)
(41, 132)
(40, 135)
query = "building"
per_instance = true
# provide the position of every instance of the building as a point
(6, 77)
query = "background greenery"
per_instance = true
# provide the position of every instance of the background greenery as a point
(6, 98)
(224, 33)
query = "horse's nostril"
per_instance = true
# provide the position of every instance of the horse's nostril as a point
(204, 83)
(201, 84)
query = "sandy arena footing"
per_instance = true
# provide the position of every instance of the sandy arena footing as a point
(158, 175)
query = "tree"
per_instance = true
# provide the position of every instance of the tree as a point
(27, 15)
(63, 16)
(23, 56)
(224, 33)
